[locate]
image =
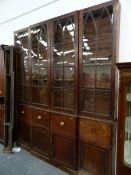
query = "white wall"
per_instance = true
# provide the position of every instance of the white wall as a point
(16, 15)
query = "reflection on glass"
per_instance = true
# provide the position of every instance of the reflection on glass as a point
(58, 55)
(127, 142)
(64, 31)
(69, 55)
(89, 52)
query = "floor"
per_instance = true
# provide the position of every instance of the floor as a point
(23, 163)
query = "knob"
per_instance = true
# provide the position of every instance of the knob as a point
(61, 123)
(22, 112)
(39, 117)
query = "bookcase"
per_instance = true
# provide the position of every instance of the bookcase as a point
(65, 89)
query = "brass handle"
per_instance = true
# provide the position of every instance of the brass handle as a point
(22, 112)
(0, 92)
(61, 123)
(39, 117)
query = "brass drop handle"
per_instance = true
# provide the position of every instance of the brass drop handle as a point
(39, 117)
(0, 92)
(22, 112)
(61, 123)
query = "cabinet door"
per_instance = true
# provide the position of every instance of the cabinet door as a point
(41, 141)
(64, 62)
(63, 150)
(96, 61)
(97, 161)
(124, 126)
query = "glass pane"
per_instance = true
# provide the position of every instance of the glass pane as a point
(35, 94)
(40, 95)
(24, 93)
(22, 60)
(69, 77)
(58, 97)
(69, 99)
(43, 58)
(89, 52)
(21, 39)
(34, 39)
(104, 22)
(44, 95)
(64, 31)
(69, 54)
(23, 77)
(88, 76)
(58, 76)
(89, 27)
(102, 104)
(88, 100)
(104, 49)
(58, 55)
(127, 142)
(103, 78)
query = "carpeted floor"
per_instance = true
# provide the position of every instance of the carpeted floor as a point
(23, 163)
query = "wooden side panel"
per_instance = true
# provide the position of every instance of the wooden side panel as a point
(1, 73)
(94, 159)
(1, 123)
(96, 131)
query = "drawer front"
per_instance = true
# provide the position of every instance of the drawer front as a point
(96, 131)
(64, 125)
(40, 118)
(24, 113)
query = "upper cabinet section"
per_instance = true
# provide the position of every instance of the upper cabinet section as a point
(64, 60)
(96, 60)
(69, 58)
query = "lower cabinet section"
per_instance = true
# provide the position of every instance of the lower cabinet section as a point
(77, 145)
(64, 151)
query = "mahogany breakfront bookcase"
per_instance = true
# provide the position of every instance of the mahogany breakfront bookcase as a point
(65, 70)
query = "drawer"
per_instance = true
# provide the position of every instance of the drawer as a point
(40, 118)
(24, 113)
(96, 131)
(63, 125)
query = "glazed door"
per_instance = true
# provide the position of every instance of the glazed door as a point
(124, 126)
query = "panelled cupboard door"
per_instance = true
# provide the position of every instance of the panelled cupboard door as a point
(124, 121)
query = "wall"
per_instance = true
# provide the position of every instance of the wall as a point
(16, 15)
